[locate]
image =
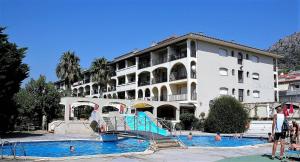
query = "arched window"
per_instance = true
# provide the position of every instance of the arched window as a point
(233, 91)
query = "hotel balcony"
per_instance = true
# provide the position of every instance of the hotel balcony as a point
(160, 75)
(178, 51)
(160, 56)
(178, 72)
(159, 60)
(178, 97)
(144, 61)
(144, 78)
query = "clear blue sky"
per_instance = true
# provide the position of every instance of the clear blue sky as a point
(94, 28)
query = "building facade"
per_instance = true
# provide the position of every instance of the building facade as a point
(289, 87)
(192, 70)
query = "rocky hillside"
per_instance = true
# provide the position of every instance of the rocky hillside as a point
(289, 47)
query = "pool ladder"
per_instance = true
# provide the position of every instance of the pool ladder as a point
(13, 148)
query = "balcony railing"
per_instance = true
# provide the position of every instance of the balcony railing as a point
(177, 76)
(159, 80)
(294, 92)
(178, 56)
(155, 98)
(178, 97)
(143, 83)
(144, 64)
(159, 60)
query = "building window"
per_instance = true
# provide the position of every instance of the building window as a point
(254, 58)
(223, 91)
(240, 58)
(255, 76)
(247, 57)
(222, 52)
(223, 71)
(241, 95)
(232, 72)
(256, 94)
(232, 53)
(297, 86)
(240, 76)
(248, 92)
(233, 91)
(247, 74)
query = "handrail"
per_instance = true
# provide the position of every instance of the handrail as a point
(15, 149)
(171, 129)
(9, 144)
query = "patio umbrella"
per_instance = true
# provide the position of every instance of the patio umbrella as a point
(141, 105)
(291, 108)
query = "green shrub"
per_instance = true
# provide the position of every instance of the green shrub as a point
(198, 125)
(178, 126)
(187, 120)
(226, 115)
(94, 126)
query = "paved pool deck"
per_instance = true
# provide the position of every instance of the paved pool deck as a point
(166, 155)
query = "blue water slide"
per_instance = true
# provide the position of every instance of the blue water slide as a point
(142, 122)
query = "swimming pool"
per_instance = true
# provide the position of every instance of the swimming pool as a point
(209, 141)
(82, 147)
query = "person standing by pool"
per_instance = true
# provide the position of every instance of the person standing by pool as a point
(218, 137)
(279, 134)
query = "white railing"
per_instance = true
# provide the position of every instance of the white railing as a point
(178, 97)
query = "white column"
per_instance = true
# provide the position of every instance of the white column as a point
(188, 69)
(67, 113)
(177, 113)
(277, 88)
(155, 111)
(126, 95)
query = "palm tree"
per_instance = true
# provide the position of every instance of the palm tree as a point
(68, 69)
(101, 72)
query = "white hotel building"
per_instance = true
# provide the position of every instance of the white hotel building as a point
(192, 69)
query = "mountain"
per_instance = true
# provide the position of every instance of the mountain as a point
(289, 48)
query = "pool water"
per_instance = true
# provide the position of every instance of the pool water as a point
(82, 147)
(209, 141)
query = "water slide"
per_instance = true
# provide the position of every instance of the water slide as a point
(142, 122)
